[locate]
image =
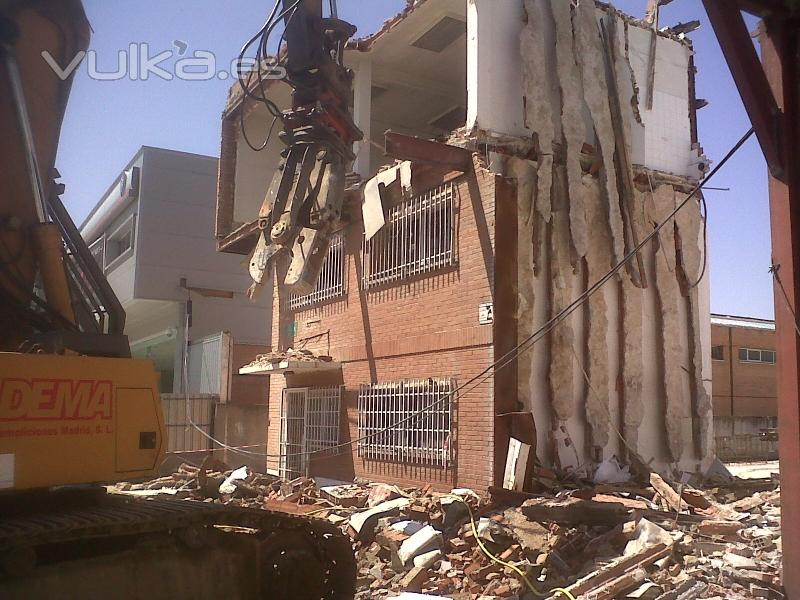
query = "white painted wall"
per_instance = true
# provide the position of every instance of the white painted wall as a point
(176, 241)
(494, 67)
(668, 142)
(495, 88)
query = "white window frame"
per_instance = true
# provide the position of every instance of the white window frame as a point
(332, 280)
(760, 360)
(128, 226)
(312, 417)
(407, 421)
(419, 237)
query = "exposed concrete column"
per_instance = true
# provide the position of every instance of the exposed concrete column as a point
(362, 114)
(494, 66)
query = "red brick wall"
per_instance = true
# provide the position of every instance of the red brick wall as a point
(416, 328)
(747, 389)
(246, 389)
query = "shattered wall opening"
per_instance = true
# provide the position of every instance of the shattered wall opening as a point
(624, 375)
(416, 71)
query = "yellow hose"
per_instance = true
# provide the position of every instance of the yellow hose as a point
(514, 568)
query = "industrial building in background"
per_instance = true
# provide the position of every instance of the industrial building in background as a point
(743, 359)
(530, 150)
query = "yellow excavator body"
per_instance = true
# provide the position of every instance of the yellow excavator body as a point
(68, 420)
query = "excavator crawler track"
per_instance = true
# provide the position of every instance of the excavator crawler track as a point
(296, 556)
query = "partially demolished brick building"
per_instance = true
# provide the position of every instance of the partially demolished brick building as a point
(535, 144)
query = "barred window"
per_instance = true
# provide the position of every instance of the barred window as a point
(418, 415)
(309, 423)
(758, 356)
(419, 236)
(331, 281)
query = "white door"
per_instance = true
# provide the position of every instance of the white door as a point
(309, 423)
(293, 425)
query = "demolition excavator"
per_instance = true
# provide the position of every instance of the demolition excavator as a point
(76, 411)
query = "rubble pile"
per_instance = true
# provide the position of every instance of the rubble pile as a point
(277, 357)
(657, 541)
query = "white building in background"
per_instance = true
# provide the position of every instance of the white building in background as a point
(153, 234)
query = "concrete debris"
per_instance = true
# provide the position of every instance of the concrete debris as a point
(382, 493)
(423, 541)
(291, 354)
(624, 540)
(610, 471)
(665, 491)
(363, 523)
(344, 495)
(230, 484)
(373, 204)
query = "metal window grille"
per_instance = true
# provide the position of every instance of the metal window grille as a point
(758, 356)
(423, 409)
(331, 281)
(182, 437)
(419, 236)
(310, 422)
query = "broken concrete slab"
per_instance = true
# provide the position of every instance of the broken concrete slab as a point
(665, 490)
(575, 511)
(739, 562)
(363, 523)
(427, 559)
(424, 540)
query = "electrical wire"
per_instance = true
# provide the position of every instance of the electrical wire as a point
(499, 561)
(705, 243)
(512, 354)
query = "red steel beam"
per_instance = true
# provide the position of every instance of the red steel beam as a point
(734, 39)
(407, 147)
(779, 48)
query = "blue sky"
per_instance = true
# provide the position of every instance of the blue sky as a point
(107, 121)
